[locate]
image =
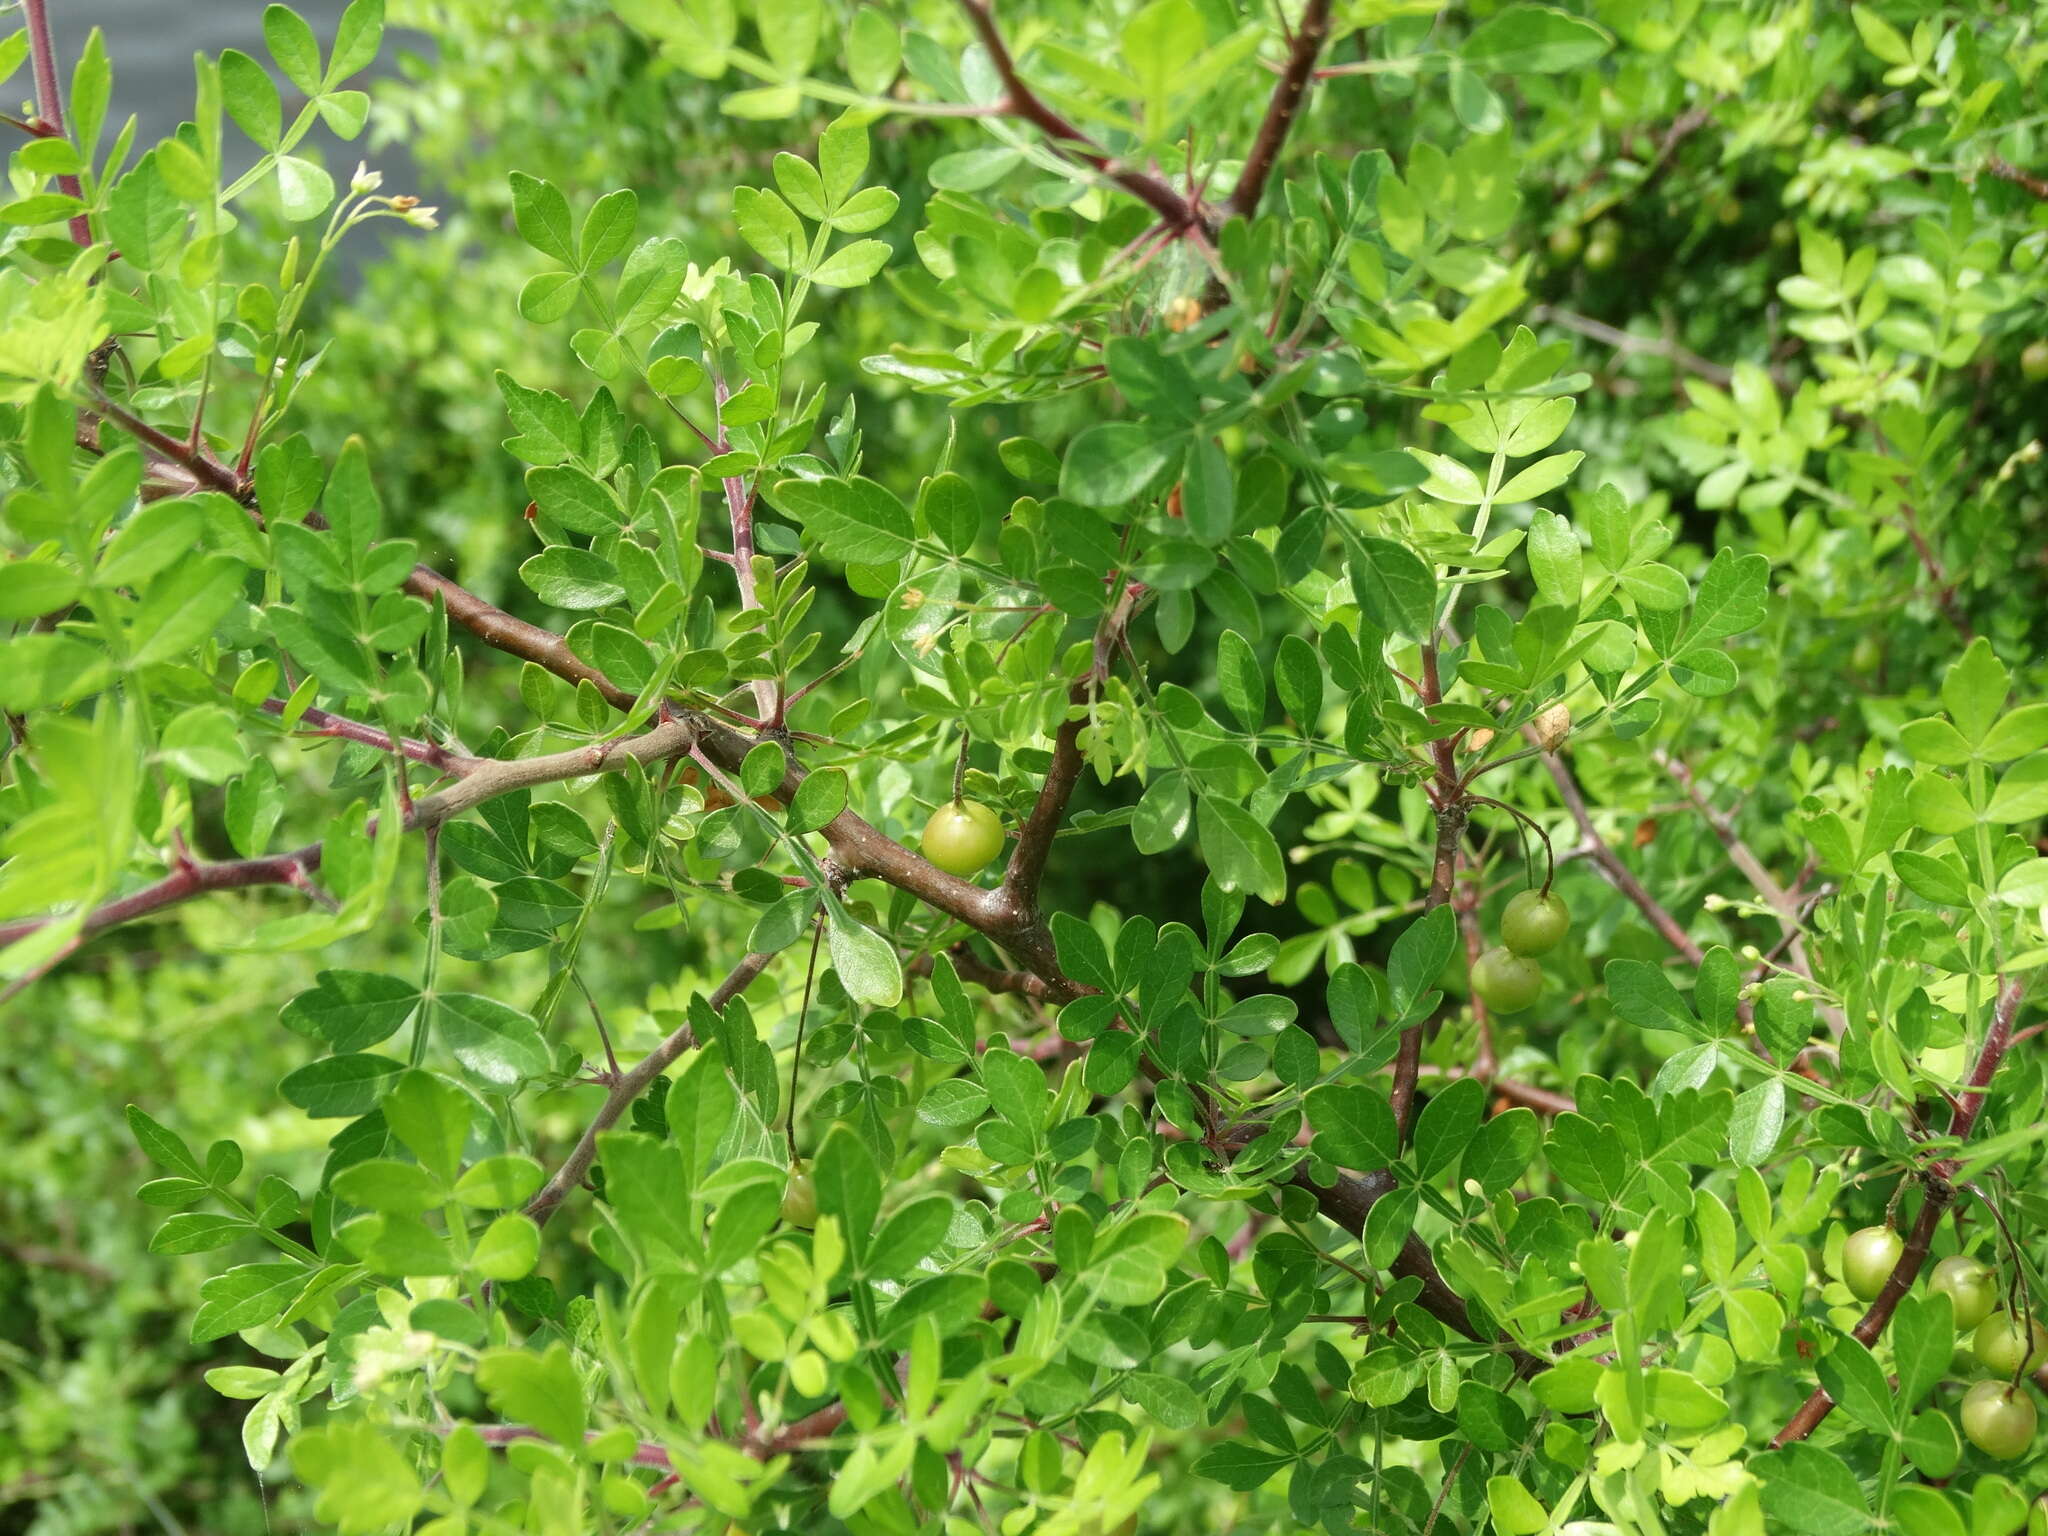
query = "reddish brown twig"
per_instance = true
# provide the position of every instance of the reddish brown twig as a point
(1618, 874)
(1285, 104)
(1939, 1194)
(35, 16)
(629, 1086)
(1022, 102)
(1026, 868)
(2005, 170)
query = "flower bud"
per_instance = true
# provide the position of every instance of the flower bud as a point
(365, 179)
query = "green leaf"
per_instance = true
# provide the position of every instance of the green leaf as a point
(251, 98)
(1242, 853)
(1555, 560)
(852, 265)
(386, 1184)
(1354, 1126)
(1240, 679)
(1644, 996)
(607, 229)
(855, 521)
(304, 189)
(1757, 1123)
(1116, 462)
(163, 1147)
(145, 219)
(430, 1117)
(341, 1087)
(542, 216)
(508, 1248)
(497, 1183)
(771, 227)
(30, 588)
(866, 963)
(244, 1297)
(563, 576)
(649, 1190)
(911, 1235)
(541, 1390)
(1812, 1491)
(849, 1186)
(1394, 589)
(497, 1043)
(356, 39)
(1534, 39)
(182, 607)
(1973, 691)
(352, 1010)
(1418, 959)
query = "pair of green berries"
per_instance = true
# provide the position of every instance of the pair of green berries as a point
(1998, 1417)
(1507, 977)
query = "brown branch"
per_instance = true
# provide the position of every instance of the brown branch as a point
(1790, 915)
(1939, 1195)
(2005, 170)
(1618, 874)
(1350, 1200)
(971, 967)
(324, 723)
(1026, 869)
(489, 777)
(1628, 341)
(1944, 589)
(1303, 47)
(35, 15)
(630, 1085)
(1452, 812)
(1022, 102)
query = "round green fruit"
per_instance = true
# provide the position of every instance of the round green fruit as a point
(1505, 981)
(1565, 242)
(1969, 1285)
(962, 836)
(1535, 922)
(2004, 1348)
(1600, 255)
(2034, 360)
(1868, 1259)
(1999, 1419)
(800, 1198)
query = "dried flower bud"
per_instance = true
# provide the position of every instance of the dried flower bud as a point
(1478, 740)
(1183, 313)
(1552, 726)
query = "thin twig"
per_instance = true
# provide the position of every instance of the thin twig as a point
(630, 1086)
(35, 16)
(1023, 102)
(2005, 170)
(1940, 1193)
(1034, 838)
(489, 778)
(1304, 45)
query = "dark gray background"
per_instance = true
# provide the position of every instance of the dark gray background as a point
(151, 44)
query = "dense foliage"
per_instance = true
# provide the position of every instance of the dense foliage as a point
(1200, 764)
